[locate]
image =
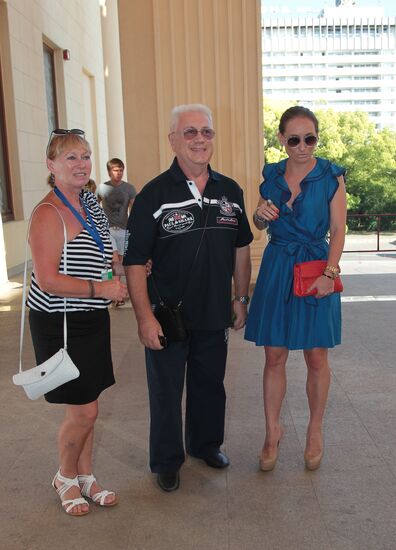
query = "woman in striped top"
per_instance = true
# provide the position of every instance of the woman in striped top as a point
(89, 289)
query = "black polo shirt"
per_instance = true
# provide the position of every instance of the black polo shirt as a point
(167, 223)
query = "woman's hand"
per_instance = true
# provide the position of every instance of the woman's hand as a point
(323, 285)
(113, 290)
(240, 314)
(266, 211)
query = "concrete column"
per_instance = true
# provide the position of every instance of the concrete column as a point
(113, 81)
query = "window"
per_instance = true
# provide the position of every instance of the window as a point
(50, 87)
(5, 191)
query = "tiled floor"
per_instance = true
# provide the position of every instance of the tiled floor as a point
(349, 504)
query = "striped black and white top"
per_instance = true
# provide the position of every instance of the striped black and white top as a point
(84, 261)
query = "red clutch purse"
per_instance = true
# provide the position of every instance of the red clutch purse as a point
(305, 274)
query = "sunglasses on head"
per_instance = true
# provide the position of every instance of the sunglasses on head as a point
(309, 141)
(63, 132)
(191, 133)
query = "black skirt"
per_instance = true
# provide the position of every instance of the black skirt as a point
(88, 344)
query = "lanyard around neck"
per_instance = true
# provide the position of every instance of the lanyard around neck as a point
(90, 228)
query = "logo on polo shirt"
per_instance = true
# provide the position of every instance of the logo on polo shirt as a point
(227, 221)
(178, 221)
(226, 207)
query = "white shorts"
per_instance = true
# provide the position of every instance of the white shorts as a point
(117, 235)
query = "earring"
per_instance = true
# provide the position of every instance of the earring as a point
(51, 180)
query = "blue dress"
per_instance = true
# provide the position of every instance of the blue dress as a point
(276, 316)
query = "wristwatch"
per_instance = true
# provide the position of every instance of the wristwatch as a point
(243, 299)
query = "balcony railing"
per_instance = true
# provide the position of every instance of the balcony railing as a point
(371, 233)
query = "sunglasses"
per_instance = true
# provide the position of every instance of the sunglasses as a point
(63, 132)
(309, 141)
(191, 133)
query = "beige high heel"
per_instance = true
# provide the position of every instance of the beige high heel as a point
(312, 462)
(268, 464)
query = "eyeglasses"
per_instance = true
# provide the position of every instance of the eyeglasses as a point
(63, 132)
(191, 133)
(309, 141)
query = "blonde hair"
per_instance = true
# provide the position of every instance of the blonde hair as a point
(60, 143)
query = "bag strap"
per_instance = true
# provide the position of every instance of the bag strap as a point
(191, 268)
(22, 331)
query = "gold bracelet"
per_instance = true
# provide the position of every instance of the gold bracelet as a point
(333, 269)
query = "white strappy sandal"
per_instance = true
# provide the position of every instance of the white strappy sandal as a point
(99, 498)
(69, 504)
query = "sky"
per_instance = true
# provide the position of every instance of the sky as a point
(314, 6)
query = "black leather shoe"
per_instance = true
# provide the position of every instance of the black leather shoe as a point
(168, 481)
(217, 459)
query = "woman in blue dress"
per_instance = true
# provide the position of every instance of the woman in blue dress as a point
(302, 200)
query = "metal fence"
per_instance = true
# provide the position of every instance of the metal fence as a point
(370, 233)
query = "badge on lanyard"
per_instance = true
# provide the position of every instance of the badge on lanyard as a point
(107, 274)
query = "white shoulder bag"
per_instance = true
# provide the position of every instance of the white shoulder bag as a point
(59, 368)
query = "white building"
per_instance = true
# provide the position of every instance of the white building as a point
(345, 59)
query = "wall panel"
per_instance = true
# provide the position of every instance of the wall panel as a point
(195, 52)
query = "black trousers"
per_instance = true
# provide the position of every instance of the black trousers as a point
(204, 357)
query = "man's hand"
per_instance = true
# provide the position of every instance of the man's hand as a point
(149, 331)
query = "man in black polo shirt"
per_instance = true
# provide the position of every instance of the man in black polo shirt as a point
(186, 209)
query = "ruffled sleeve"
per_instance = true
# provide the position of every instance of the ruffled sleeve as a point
(92, 201)
(335, 171)
(269, 172)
